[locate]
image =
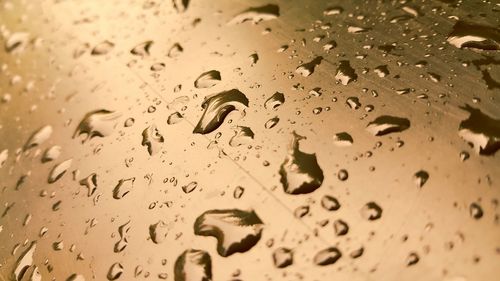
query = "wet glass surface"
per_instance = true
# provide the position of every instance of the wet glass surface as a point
(249, 140)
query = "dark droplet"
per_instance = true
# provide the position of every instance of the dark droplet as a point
(257, 14)
(466, 35)
(217, 107)
(276, 100)
(282, 257)
(193, 265)
(327, 256)
(207, 79)
(386, 124)
(481, 131)
(152, 138)
(235, 230)
(307, 69)
(300, 172)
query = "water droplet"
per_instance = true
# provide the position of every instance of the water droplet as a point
(271, 123)
(38, 137)
(129, 122)
(180, 5)
(175, 50)
(345, 73)
(332, 11)
(353, 103)
(481, 131)
(24, 263)
(412, 259)
(152, 139)
(301, 211)
(193, 265)
(371, 211)
(75, 277)
(142, 49)
(123, 242)
(340, 227)
(217, 107)
(300, 172)
(276, 100)
(3, 157)
(97, 123)
(420, 178)
(327, 256)
(16, 42)
(189, 187)
(386, 124)
(207, 79)
(174, 118)
(330, 203)
(475, 210)
(254, 58)
(59, 170)
(158, 232)
(381, 71)
(342, 175)
(282, 257)
(257, 14)
(242, 135)
(102, 48)
(51, 153)
(90, 182)
(466, 35)
(307, 69)
(115, 271)
(123, 187)
(342, 139)
(235, 230)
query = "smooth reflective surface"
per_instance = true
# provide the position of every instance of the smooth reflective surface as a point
(249, 140)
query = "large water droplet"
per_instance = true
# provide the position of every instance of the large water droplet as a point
(38, 137)
(16, 42)
(257, 14)
(193, 265)
(102, 48)
(235, 230)
(300, 172)
(51, 153)
(115, 271)
(307, 69)
(217, 107)
(465, 35)
(276, 100)
(123, 187)
(371, 211)
(342, 139)
(327, 256)
(142, 49)
(24, 263)
(481, 131)
(242, 135)
(97, 123)
(90, 182)
(345, 73)
(158, 232)
(420, 178)
(207, 79)
(386, 124)
(152, 139)
(282, 257)
(59, 170)
(123, 242)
